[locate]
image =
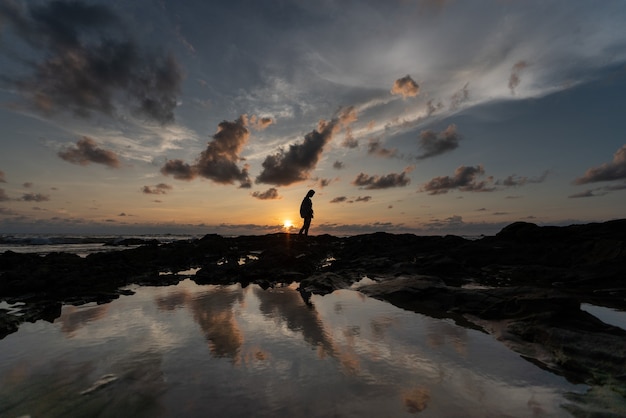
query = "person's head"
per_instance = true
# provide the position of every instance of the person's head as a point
(310, 193)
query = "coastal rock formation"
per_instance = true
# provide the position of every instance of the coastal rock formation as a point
(525, 285)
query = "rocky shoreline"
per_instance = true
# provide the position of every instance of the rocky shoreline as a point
(525, 285)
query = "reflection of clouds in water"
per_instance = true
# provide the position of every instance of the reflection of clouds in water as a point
(416, 399)
(441, 332)
(286, 305)
(173, 300)
(213, 311)
(72, 318)
(379, 327)
(351, 355)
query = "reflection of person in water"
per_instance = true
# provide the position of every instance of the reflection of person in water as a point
(306, 212)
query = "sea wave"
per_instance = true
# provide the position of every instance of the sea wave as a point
(82, 245)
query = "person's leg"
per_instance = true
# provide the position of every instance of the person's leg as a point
(307, 224)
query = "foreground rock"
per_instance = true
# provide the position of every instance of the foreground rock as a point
(524, 285)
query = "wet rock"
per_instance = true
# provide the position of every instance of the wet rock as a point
(323, 283)
(524, 285)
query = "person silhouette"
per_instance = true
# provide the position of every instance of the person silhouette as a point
(306, 212)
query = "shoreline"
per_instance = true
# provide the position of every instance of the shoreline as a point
(524, 285)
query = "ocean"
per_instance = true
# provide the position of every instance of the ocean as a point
(81, 245)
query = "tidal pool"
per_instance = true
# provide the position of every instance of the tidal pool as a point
(199, 351)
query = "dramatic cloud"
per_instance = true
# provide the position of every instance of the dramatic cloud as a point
(160, 188)
(514, 79)
(35, 197)
(269, 194)
(383, 182)
(406, 87)
(464, 179)
(363, 199)
(374, 147)
(219, 161)
(615, 170)
(295, 164)
(86, 151)
(88, 63)
(432, 143)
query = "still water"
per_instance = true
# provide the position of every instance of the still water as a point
(199, 351)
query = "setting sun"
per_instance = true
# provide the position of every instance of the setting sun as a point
(287, 224)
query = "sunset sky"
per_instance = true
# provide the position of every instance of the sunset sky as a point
(421, 116)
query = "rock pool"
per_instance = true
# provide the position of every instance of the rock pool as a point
(206, 350)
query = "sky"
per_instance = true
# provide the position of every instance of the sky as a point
(406, 116)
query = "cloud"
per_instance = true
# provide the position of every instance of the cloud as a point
(517, 181)
(218, 162)
(347, 115)
(339, 199)
(454, 221)
(431, 107)
(339, 165)
(586, 193)
(295, 164)
(178, 169)
(383, 182)
(260, 123)
(514, 78)
(615, 170)
(464, 179)
(34, 197)
(87, 151)
(432, 143)
(405, 86)
(325, 182)
(160, 188)
(269, 194)
(600, 191)
(457, 99)
(3, 196)
(89, 62)
(2, 180)
(27, 185)
(374, 147)
(349, 141)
